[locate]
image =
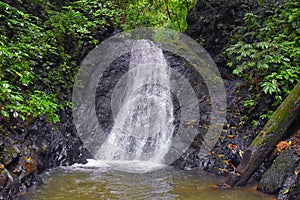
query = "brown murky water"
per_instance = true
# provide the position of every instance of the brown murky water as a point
(109, 182)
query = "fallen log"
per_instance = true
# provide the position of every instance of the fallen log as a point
(266, 140)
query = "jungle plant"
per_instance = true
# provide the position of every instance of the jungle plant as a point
(21, 49)
(170, 14)
(266, 51)
(40, 54)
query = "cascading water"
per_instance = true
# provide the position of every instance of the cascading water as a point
(143, 126)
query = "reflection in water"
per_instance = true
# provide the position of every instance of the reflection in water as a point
(99, 180)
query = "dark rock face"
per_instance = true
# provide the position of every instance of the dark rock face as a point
(58, 145)
(212, 22)
(105, 89)
(120, 66)
(190, 158)
(41, 146)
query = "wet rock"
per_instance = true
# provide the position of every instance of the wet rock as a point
(273, 180)
(3, 176)
(32, 180)
(188, 160)
(11, 187)
(11, 153)
(295, 193)
(17, 167)
(7, 141)
(24, 157)
(105, 88)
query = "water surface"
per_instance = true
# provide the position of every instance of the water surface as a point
(136, 181)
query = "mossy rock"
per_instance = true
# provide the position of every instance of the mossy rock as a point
(273, 179)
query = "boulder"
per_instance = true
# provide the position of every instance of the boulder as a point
(273, 180)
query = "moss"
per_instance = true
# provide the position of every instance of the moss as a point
(280, 120)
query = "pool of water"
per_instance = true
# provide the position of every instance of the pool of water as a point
(135, 181)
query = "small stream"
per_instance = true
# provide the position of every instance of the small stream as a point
(135, 180)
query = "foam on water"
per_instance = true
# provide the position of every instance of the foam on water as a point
(130, 166)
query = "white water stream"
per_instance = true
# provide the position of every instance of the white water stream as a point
(143, 126)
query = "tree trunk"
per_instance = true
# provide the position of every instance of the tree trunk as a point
(266, 140)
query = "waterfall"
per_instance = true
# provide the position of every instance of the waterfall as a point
(143, 126)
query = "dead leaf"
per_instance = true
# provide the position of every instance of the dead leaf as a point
(232, 146)
(30, 165)
(192, 122)
(221, 155)
(223, 170)
(282, 145)
(231, 136)
(224, 186)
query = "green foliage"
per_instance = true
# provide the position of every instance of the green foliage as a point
(29, 106)
(255, 123)
(249, 103)
(267, 115)
(267, 50)
(39, 54)
(170, 14)
(43, 42)
(70, 29)
(22, 48)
